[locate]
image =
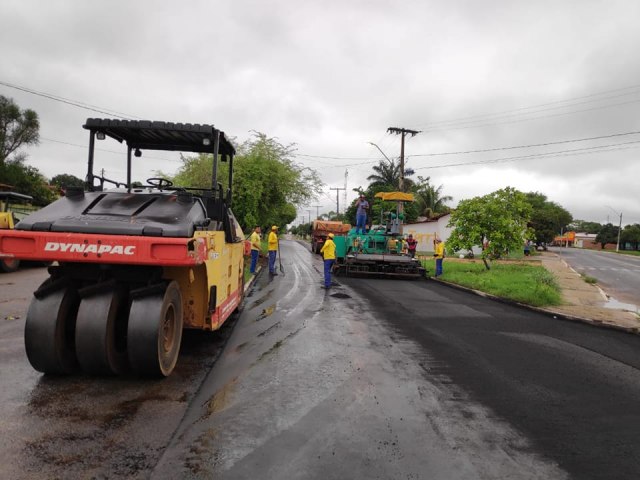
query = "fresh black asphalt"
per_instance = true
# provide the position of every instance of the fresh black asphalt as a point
(572, 389)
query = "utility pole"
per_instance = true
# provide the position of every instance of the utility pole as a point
(344, 197)
(317, 210)
(403, 132)
(337, 198)
(619, 226)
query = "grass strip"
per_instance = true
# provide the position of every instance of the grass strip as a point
(522, 282)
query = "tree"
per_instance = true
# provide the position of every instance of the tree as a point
(584, 226)
(17, 128)
(65, 180)
(267, 184)
(631, 234)
(497, 222)
(429, 199)
(387, 176)
(548, 219)
(26, 179)
(607, 234)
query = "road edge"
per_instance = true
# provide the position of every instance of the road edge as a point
(545, 311)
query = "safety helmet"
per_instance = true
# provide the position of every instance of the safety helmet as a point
(330, 235)
(275, 227)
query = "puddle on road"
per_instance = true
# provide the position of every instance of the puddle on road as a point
(220, 399)
(266, 312)
(340, 295)
(263, 299)
(615, 304)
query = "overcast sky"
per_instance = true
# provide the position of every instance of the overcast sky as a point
(332, 76)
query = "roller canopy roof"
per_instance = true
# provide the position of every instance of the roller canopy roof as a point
(149, 135)
(15, 196)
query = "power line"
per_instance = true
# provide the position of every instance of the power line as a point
(486, 116)
(403, 133)
(101, 149)
(495, 149)
(74, 103)
(332, 158)
(463, 127)
(577, 151)
(524, 146)
(337, 189)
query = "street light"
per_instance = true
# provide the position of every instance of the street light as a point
(619, 226)
(380, 150)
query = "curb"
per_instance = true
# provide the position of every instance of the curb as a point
(252, 280)
(545, 311)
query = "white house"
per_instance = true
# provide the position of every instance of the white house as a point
(426, 231)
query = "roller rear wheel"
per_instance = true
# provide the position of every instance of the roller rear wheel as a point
(100, 332)
(155, 332)
(49, 332)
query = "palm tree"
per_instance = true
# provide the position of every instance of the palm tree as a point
(430, 200)
(388, 175)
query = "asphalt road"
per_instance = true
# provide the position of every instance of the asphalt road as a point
(618, 275)
(399, 379)
(372, 379)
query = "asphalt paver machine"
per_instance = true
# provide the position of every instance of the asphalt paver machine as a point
(378, 252)
(135, 264)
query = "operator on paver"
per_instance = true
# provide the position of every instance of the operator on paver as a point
(328, 252)
(361, 214)
(255, 249)
(273, 249)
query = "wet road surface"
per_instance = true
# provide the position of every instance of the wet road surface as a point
(317, 384)
(371, 379)
(82, 426)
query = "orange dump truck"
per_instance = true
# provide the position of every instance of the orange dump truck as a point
(322, 228)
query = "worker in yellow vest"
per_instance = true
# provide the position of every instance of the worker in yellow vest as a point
(272, 245)
(439, 255)
(328, 252)
(255, 249)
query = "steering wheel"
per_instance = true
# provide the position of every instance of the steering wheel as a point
(159, 182)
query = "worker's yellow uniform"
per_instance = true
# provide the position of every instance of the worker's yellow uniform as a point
(328, 251)
(439, 254)
(272, 246)
(254, 239)
(393, 245)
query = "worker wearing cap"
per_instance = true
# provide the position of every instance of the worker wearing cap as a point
(255, 249)
(439, 255)
(361, 214)
(273, 249)
(328, 251)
